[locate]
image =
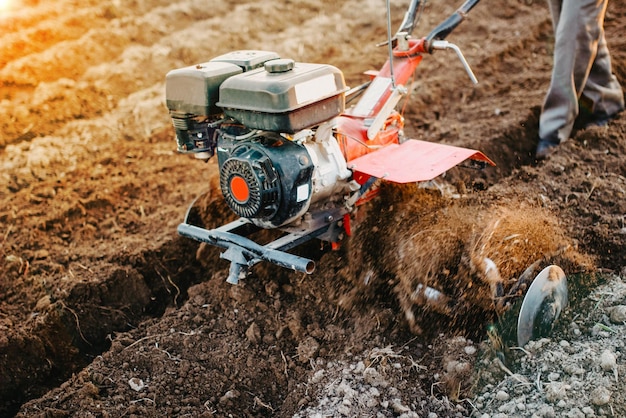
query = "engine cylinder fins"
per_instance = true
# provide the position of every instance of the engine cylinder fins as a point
(182, 123)
(251, 189)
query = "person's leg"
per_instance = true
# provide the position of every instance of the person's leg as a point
(578, 28)
(602, 92)
(560, 106)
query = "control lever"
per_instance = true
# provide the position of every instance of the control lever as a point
(441, 45)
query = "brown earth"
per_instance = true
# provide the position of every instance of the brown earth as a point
(105, 311)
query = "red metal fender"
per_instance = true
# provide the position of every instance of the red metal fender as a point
(413, 161)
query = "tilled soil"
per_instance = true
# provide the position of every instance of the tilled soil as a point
(105, 311)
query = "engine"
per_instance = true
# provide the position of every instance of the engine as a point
(269, 120)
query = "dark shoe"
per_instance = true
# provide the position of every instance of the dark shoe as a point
(586, 118)
(596, 119)
(544, 149)
(600, 120)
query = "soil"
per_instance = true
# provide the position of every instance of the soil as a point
(106, 312)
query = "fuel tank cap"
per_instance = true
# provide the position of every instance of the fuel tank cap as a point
(279, 65)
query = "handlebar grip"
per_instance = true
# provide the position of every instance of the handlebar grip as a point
(444, 29)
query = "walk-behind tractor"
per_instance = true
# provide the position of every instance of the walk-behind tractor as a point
(293, 157)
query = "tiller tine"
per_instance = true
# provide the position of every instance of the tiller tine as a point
(547, 296)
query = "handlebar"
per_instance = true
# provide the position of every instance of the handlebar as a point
(410, 17)
(444, 29)
(441, 31)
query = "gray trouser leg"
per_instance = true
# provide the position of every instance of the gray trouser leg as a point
(602, 88)
(582, 65)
